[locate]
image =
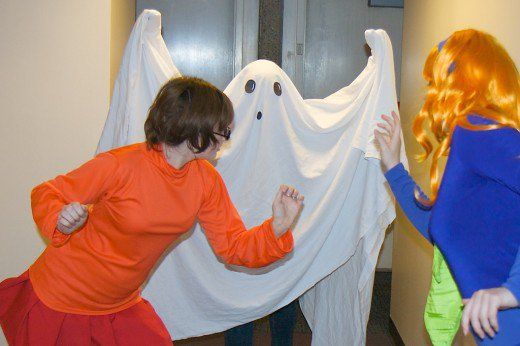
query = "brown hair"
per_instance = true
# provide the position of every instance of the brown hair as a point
(188, 108)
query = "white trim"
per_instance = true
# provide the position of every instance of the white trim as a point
(239, 32)
(294, 24)
(246, 33)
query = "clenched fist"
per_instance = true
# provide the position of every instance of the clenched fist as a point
(72, 217)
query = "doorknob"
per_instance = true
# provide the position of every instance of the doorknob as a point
(299, 48)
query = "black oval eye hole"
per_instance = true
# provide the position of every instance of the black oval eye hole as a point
(259, 115)
(250, 86)
(277, 88)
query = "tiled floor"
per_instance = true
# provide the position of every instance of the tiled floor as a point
(379, 331)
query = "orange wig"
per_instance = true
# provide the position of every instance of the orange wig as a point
(469, 73)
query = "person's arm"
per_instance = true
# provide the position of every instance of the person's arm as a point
(403, 187)
(494, 154)
(513, 282)
(51, 200)
(229, 238)
(388, 136)
(480, 312)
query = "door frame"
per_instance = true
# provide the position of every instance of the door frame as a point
(246, 33)
(293, 40)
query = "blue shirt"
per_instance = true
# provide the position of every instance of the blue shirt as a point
(475, 221)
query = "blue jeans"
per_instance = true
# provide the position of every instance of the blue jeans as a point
(281, 323)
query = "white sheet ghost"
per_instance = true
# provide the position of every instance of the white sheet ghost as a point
(325, 148)
(145, 67)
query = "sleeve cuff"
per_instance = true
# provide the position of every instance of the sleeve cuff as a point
(59, 239)
(283, 245)
(396, 172)
(514, 289)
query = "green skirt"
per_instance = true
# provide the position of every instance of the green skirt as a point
(443, 309)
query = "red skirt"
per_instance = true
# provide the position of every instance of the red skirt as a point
(26, 320)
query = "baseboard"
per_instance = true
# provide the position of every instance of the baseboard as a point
(384, 270)
(395, 333)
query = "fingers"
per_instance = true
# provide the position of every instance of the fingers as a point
(466, 314)
(493, 318)
(397, 124)
(389, 123)
(475, 316)
(481, 313)
(80, 209)
(279, 193)
(386, 127)
(63, 221)
(71, 217)
(393, 120)
(74, 212)
(464, 322)
(380, 138)
(66, 218)
(289, 191)
(484, 316)
(395, 117)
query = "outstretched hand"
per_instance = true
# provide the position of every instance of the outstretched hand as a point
(388, 137)
(286, 206)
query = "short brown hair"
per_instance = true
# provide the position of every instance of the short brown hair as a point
(188, 108)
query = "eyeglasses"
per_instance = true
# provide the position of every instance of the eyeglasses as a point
(226, 135)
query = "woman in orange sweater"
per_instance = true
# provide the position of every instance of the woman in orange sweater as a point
(109, 221)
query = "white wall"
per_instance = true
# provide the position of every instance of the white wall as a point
(426, 23)
(54, 97)
(122, 18)
(55, 74)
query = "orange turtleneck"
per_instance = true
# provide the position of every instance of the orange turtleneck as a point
(138, 206)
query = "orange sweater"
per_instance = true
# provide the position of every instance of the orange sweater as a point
(138, 206)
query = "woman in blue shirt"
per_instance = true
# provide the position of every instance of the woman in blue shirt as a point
(472, 108)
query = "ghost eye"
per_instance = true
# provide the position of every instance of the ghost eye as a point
(250, 86)
(277, 88)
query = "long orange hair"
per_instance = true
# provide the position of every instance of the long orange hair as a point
(468, 73)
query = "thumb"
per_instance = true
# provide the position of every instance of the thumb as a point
(278, 197)
(84, 208)
(379, 138)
